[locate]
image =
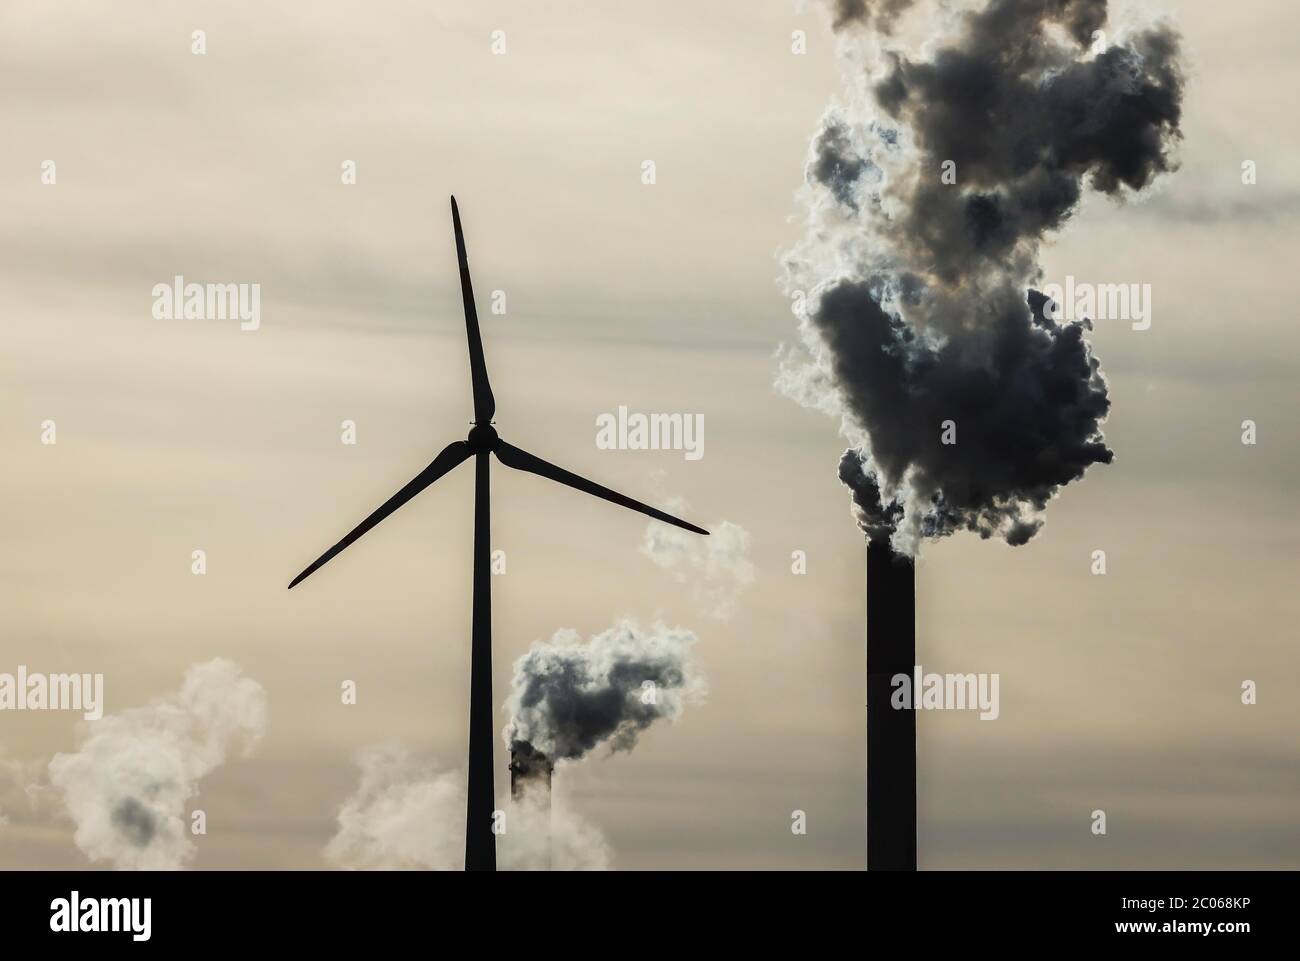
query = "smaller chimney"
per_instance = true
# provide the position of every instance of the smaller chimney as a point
(530, 778)
(530, 770)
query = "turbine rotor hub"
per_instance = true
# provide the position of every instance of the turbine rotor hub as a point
(482, 438)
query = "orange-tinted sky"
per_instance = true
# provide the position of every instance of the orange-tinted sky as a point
(1118, 692)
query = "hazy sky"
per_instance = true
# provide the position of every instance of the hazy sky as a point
(1119, 692)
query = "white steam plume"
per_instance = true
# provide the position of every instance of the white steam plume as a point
(127, 785)
(408, 814)
(717, 568)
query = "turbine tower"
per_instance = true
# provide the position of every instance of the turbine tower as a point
(480, 842)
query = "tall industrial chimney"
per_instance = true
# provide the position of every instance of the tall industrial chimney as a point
(891, 733)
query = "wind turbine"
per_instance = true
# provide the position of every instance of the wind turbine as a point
(480, 842)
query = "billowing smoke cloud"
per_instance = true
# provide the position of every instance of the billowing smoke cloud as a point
(127, 785)
(407, 814)
(967, 403)
(880, 14)
(404, 815)
(717, 568)
(567, 696)
(542, 834)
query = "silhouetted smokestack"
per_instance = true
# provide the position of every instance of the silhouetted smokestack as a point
(530, 783)
(891, 732)
(968, 397)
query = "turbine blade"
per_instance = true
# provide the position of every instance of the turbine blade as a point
(452, 455)
(485, 404)
(512, 456)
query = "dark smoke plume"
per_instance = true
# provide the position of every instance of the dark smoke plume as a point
(921, 309)
(567, 696)
(865, 13)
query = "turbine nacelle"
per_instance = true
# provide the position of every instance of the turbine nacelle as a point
(482, 439)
